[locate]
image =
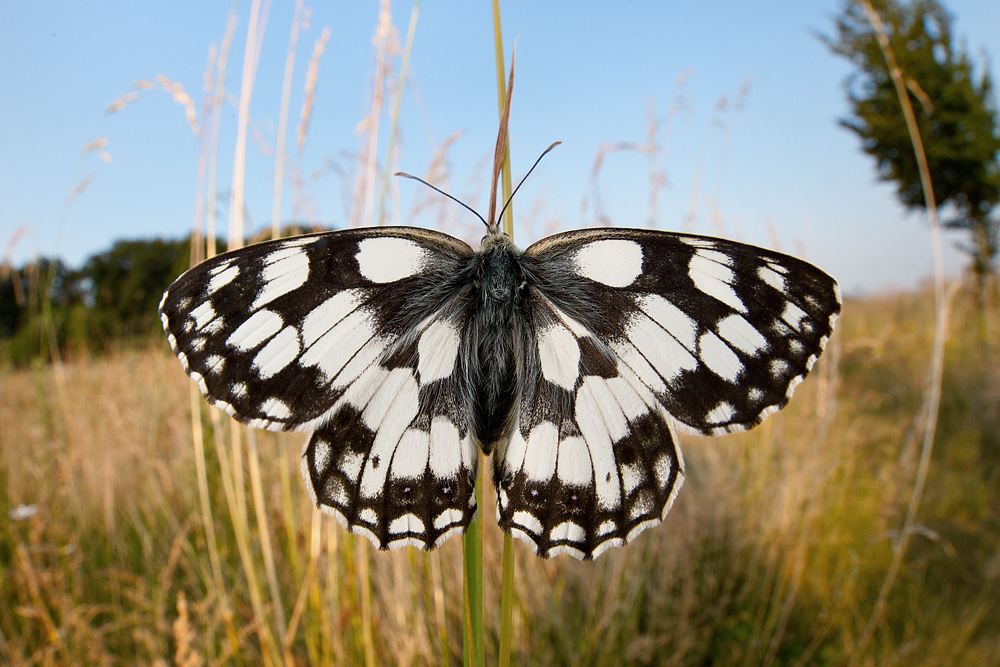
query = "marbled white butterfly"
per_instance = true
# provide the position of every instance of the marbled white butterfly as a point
(572, 363)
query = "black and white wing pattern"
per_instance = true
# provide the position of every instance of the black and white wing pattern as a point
(630, 334)
(575, 362)
(355, 336)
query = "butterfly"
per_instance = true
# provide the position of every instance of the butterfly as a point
(572, 364)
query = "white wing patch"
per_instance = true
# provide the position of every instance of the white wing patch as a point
(739, 333)
(663, 352)
(615, 262)
(714, 279)
(438, 350)
(222, 276)
(334, 348)
(543, 444)
(286, 270)
(719, 357)
(772, 277)
(255, 330)
(559, 356)
(279, 352)
(674, 321)
(386, 259)
(574, 465)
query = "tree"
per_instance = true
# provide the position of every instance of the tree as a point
(122, 286)
(112, 297)
(956, 114)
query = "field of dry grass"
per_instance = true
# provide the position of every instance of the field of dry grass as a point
(773, 554)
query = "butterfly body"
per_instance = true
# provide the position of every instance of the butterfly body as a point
(493, 332)
(572, 364)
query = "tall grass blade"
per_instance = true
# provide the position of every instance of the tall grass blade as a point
(472, 577)
(503, 99)
(397, 103)
(286, 93)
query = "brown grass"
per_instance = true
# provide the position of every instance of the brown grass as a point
(772, 555)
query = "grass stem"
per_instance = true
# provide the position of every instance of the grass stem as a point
(472, 576)
(933, 400)
(507, 587)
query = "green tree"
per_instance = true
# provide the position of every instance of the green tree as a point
(956, 114)
(113, 296)
(25, 333)
(122, 286)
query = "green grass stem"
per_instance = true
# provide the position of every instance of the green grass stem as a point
(507, 587)
(472, 577)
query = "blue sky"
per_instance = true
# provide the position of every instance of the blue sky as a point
(777, 171)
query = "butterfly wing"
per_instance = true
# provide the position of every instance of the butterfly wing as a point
(634, 333)
(353, 335)
(593, 459)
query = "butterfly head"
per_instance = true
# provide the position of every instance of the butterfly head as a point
(495, 237)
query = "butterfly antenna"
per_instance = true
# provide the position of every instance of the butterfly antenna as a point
(440, 191)
(521, 182)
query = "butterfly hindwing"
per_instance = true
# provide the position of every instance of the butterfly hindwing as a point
(397, 461)
(355, 336)
(593, 460)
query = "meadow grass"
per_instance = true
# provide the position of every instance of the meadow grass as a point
(774, 552)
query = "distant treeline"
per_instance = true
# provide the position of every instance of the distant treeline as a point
(47, 307)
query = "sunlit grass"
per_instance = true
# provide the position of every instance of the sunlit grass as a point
(773, 553)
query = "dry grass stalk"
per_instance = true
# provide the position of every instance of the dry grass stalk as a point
(657, 177)
(185, 655)
(176, 91)
(385, 43)
(690, 221)
(286, 93)
(208, 77)
(594, 200)
(940, 333)
(732, 108)
(312, 75)
(264, 534)
(394, 121)
(213, 147)
(122, 101)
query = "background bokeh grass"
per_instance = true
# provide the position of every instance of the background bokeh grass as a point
(773, 553)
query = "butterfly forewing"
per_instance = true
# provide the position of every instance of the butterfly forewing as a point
(355, 335)
(720, 332)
